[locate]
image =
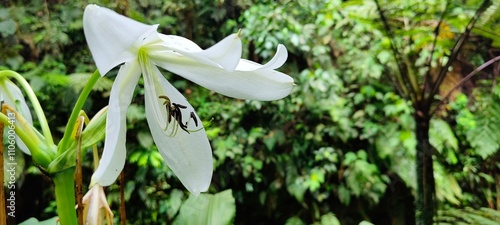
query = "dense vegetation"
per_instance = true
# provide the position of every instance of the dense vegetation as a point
(342, 147)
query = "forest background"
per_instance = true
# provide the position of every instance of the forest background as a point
(342, 148)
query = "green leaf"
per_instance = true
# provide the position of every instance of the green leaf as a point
(34, 221)
(145, 139)
(96, 129)
(7, 27)
(174, 202)
(344, 195)
(483, 216)
(485, 137)
(135, 113)
(488, 24)
(447, 187)
(294, 221)
(78, 81)
(210, 209)
(442, 137)
(298, 190)
(93, 133)
(329, 219)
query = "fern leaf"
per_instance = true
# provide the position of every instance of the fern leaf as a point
(442, 137)
(491, 14)
(485, 137)
(489, 23)
(482, 216)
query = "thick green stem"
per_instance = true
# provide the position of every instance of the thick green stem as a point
(64, 183)
(64, 144)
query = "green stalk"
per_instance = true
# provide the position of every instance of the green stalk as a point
(64, 144)
(64, 182)
(36, 104)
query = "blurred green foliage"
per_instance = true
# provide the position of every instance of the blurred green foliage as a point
(339, 150)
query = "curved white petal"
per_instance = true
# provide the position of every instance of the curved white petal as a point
(225, 54)
(178, 42)
(112, 38)
(276, 62)
(13, 96)
(189, 155)
(113, 157)
(255, 84)
(17, 95)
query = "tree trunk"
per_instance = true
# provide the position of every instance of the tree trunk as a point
(425, 171)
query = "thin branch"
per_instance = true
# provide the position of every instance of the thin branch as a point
(401, 81)
(496, 71)
(427, 77)
(465, 79)
(456, 50)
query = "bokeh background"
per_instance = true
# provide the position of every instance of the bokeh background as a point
(340, 149)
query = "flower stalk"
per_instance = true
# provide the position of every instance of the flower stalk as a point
(65, 141)
(64, 182)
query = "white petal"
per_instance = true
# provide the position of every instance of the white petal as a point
(112, 38)
(256, 84)
(12, 94)
(276, 62)
(225, 54)
(178, 42)
(113, 157)
(189, 155)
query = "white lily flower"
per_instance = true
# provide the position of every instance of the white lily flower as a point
(176, 129)
(11, 95)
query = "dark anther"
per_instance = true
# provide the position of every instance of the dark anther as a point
(194, 118)
(174, 111)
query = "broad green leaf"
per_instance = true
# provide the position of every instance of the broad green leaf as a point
(298, 190)
(34, 221)
(174, 202)
(145, 139)
(294, 221)
(210, 209)
(329, 219)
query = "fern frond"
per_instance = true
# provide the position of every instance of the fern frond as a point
(442, 137)
(489, 23)
(482, 216)
(491, 14)
(485, 137)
